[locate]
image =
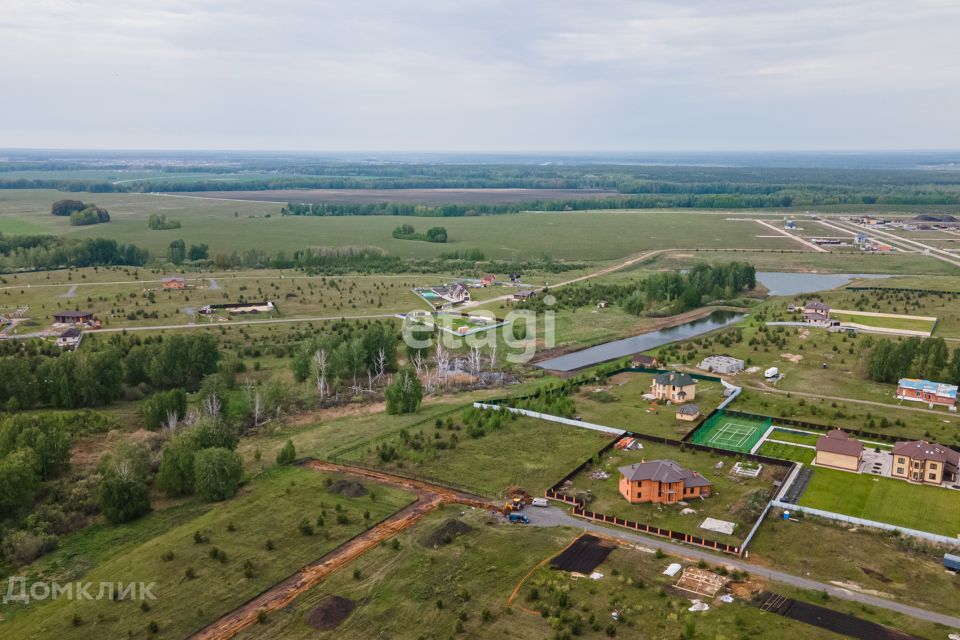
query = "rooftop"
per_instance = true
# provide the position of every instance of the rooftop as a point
(923, 450)
(675, 379)
(926, 386)
(663, 471)
(837, 441)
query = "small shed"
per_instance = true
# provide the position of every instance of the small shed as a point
(688, 412)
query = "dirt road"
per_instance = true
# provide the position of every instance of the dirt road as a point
(429, 497)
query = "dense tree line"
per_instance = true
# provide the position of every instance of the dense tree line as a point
(30, 252)
(94, 377)
(889, 360)
(667, 292)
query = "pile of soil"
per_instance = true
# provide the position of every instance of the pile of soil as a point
(349, 488)
(330, 612)
(446, 533)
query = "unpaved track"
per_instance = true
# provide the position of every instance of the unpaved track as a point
(429, 497)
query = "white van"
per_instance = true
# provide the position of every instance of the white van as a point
(541, 502)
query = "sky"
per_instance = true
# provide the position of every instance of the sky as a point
(480, 75)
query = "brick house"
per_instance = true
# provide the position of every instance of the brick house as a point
(838, 450)
(174, 283)
(661, 482)
(673, 387)
(926, 391)
(925, 462)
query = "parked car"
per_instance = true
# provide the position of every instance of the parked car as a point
(518, 518)
(541, 502)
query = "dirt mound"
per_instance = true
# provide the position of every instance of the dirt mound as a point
(330, 612)
(349, 488)
(446, 533)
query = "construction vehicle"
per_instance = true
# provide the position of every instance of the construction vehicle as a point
(518, 518)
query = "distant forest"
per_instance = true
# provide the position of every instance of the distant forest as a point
(639, 186)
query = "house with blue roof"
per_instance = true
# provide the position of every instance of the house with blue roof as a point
(932, 393)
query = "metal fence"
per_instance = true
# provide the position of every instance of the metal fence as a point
(552, 418)
(933, 537)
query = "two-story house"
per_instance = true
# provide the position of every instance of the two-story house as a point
(926, 462)
(673, 387)
(661, 482)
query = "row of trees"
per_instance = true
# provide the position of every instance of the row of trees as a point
(888, 360)
(52, 252)
(667, 292)
(94, 377)
(177, 251)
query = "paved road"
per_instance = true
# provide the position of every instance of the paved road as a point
(555, 517)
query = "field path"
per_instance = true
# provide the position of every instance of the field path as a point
(640, 257)
(873, 403)
(786, 233)
(429, 497)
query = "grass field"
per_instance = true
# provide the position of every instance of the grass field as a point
(909, 324)
(271, 507)
(619, 403)
(526, 452)
(895, 502)
(888, 566)
(239, 226)
(728, 501)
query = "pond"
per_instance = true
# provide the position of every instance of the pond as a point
(790, 284)
(629, 346)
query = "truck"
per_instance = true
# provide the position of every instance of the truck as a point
(518, 518)
(540, 502)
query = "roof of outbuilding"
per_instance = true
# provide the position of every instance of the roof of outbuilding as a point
(837, 441)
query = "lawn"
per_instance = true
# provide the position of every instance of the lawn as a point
(525, 452)
(729, 501)
(619, 403)
(887, 500)
(909, 324)
(787, 452)
(892, 567)
(269, 508)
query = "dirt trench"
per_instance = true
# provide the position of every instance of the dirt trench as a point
(429, 497)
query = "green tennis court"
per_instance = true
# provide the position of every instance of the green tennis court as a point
(735, 433)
